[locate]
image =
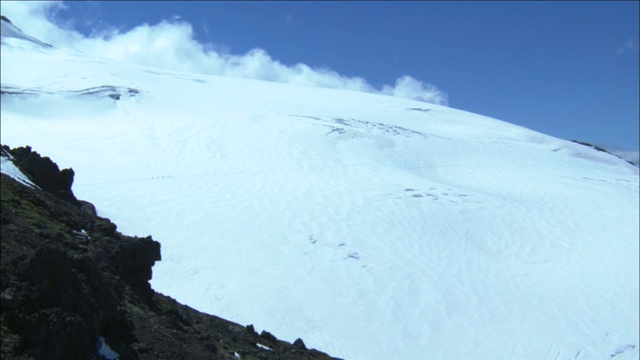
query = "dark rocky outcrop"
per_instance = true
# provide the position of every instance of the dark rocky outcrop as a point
(2, 17)
(43, 172)
(598, 148)
(71, 282)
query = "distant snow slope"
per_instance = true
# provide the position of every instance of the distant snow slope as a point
(372, 227)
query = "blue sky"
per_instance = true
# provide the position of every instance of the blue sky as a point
(568, 69)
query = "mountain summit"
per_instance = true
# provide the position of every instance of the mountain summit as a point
(371, 226)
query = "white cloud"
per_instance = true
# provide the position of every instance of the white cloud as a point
(408, 87)
(171, 45)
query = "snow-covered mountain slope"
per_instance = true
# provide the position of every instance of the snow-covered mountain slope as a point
(372, 227)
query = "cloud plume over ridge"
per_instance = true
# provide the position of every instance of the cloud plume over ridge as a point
(171, 45)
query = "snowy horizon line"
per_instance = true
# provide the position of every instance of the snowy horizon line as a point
(171, 44)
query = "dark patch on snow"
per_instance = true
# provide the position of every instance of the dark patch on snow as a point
(352, 127)
(110, 91)
(114, 92)
(335, 129)
(312, 239)
(433, 193)
(353, 255)
(621, 349)
(419, 109)
(10, 90)
(6, 19)
(595, 147)
(598, 148)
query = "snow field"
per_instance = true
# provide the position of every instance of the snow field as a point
(371, 227)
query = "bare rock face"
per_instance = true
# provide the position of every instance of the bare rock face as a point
(133, 261)
(44, 172)
(72, 285)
